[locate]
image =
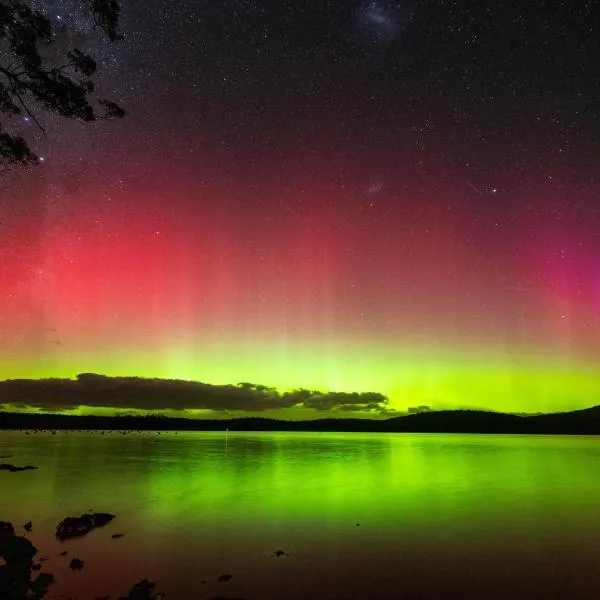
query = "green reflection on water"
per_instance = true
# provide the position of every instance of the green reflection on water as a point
(452, 502)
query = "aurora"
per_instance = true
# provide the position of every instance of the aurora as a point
(286, 203)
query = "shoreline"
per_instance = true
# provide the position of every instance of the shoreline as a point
(580, 422)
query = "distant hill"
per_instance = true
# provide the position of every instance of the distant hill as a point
(458, 421)
(583, 422)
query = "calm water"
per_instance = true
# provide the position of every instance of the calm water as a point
(440, 515)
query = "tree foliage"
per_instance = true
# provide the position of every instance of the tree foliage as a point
(31, 82)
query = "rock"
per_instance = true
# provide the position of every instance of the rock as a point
(116, 536)
(40, 585)
(17, 565)
(6, 528)
(73, 527)
(224, 578)
(143, 590)
(13, 548)
(14, 581)
(14, 469)
(76, 564)
(28, 526)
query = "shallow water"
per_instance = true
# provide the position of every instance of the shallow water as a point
(361, 515)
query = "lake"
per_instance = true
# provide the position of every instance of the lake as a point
(360, 515)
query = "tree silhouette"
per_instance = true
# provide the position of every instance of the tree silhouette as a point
(30, 81)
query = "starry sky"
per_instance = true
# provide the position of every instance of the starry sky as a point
(397, 197)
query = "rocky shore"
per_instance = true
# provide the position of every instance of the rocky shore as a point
(22, 576)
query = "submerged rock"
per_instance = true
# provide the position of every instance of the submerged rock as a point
(76, 564)
(14, 469)
(143, 590)
(73, 527)
(279, 554)
(116, 536)
(223, 578)
(39, 587)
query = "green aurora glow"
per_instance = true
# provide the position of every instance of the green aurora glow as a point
(436, 378)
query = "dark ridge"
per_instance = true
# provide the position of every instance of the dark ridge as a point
(579, 422)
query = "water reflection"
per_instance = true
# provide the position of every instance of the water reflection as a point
(424, 514)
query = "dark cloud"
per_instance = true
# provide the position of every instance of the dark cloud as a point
(413, 410)
(93, 390)
(346, 401)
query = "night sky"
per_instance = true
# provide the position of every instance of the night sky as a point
(397, 197)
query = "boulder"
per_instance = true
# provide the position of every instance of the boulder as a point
(73, 527)
(15, 573)
(13, 548)
(39, 586)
